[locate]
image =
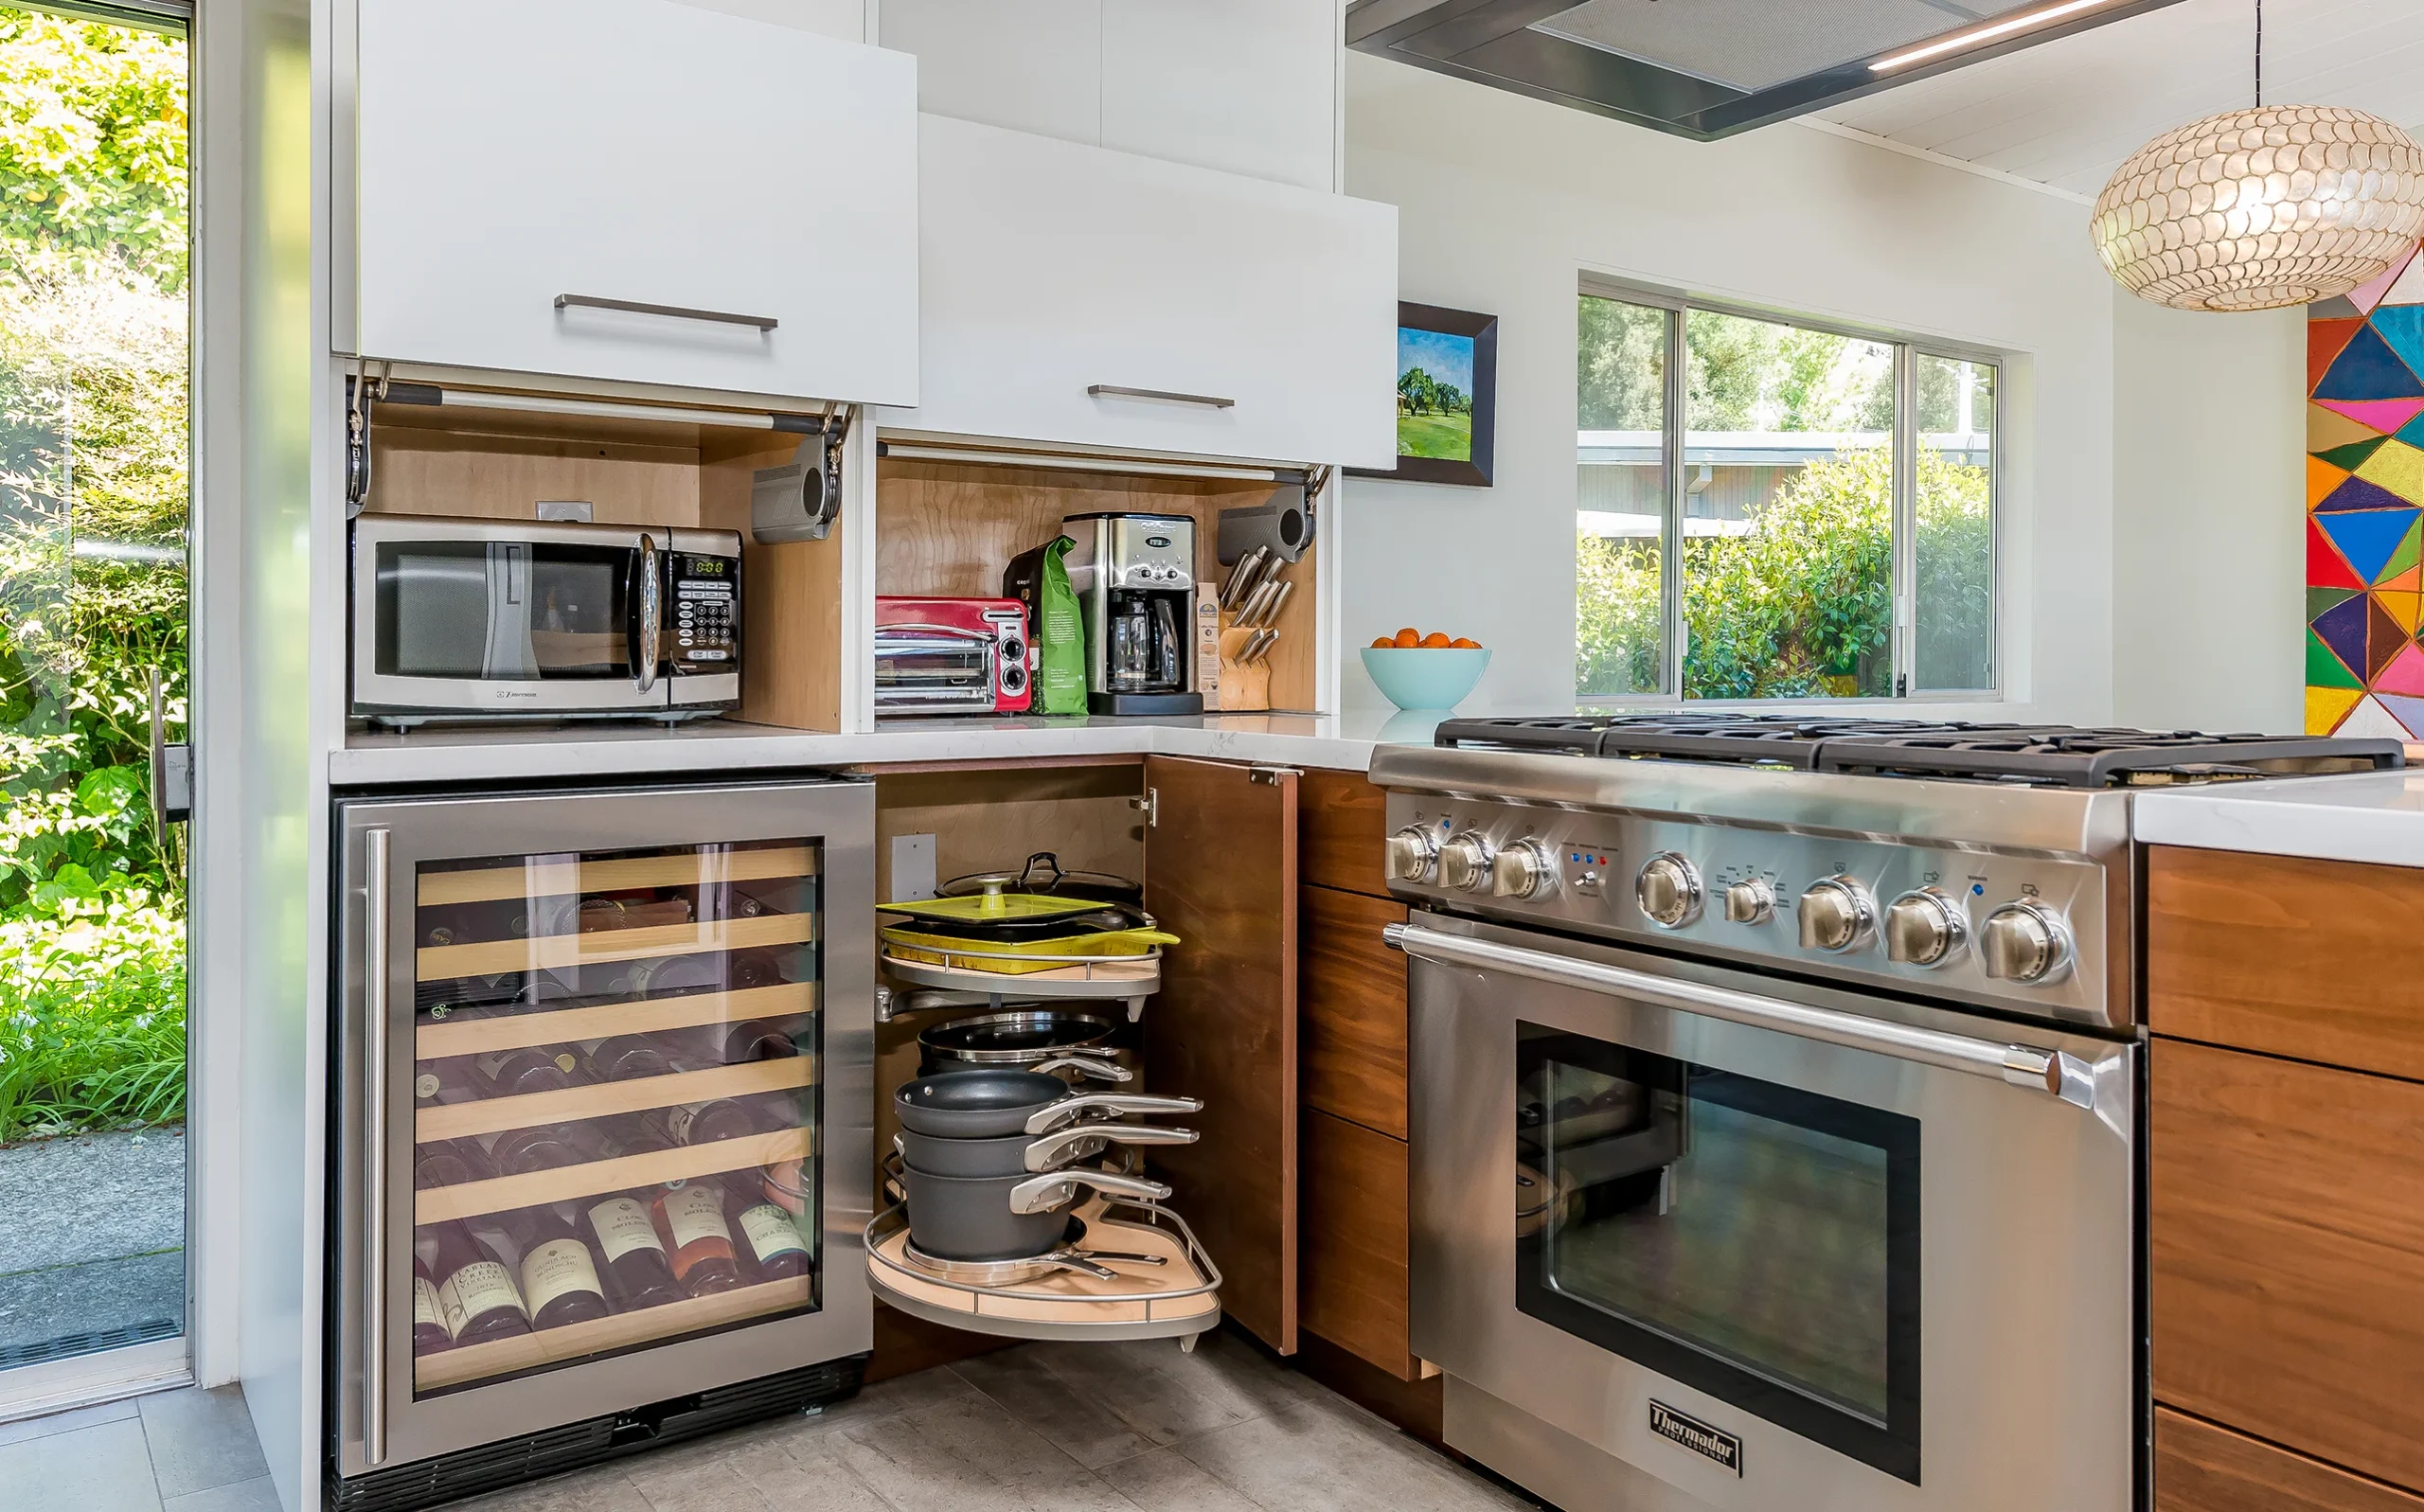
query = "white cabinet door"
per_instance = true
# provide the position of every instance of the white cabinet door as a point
(1056, 274)
(522, 167)
(1246, 86)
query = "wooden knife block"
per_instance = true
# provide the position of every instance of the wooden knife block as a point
(1243, 689)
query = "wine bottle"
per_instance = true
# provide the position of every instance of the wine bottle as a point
(705, 1123)
(758, 1039)
(447, 1162)
(429, 1315)
(771, 1239)
(447, 1079)
(689, 1217)
(746, 969)
(636, 1265)
(476, 1296)
(623, 1057)
(513, 1072)
(559, 1272)
(540, 1148)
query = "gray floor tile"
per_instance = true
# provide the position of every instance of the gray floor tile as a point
(803, 1476)
(1316, 1457)
(101, 1469)
(1167, 1481)
(17, 1432)
(969, 1455)
(1081, 1424)
(200, 1438)
(602, 1489)
(1159, 1392)
(255, 1495)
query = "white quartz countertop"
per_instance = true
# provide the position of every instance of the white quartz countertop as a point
(2367, 816)
(476, 754)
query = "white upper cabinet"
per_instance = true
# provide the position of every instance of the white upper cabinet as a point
(1094, 298)
(1245, 86)
(638, 191)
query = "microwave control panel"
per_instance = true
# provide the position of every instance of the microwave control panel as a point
(706, 613)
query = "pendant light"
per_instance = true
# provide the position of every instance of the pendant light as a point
(2263, 207)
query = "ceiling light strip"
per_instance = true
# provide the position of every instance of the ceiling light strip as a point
(1962, 41)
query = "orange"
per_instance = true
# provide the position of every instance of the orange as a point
(1381, 643)
(1463, 643)
(1408, 637)
(1437, 638)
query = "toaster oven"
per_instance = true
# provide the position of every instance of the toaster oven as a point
(526, 618)
(951, 656)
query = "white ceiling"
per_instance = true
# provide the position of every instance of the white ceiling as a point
(2066, 112)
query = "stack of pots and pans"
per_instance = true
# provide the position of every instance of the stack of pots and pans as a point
(1029, 1037)
(992, 1160)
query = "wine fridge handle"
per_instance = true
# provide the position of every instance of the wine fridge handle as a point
(374, 1147)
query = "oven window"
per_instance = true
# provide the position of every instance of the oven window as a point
(1751, 1240)
(503, 610)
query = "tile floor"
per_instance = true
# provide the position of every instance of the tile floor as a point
(1048, 1428)
(188, 1450)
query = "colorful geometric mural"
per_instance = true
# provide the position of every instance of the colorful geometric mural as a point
(2365, 509)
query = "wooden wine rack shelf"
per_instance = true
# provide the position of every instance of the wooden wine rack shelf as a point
(555, 878)
(503, 1194)
(437, 963)
(485, 1037)
(548, 1346)
(603, 1100)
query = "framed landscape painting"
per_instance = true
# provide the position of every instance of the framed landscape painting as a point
(1447, 396)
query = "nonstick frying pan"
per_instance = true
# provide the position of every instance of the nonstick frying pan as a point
(993, 1102)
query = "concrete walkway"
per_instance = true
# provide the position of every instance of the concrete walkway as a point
(91, 1242)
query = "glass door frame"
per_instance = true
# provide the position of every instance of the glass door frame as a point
(406, 833)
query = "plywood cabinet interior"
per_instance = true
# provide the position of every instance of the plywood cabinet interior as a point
(949, 529)
(502, 464)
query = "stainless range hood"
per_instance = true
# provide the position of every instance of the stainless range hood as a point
(1709, 68)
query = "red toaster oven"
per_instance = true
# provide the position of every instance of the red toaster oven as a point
(951, 656)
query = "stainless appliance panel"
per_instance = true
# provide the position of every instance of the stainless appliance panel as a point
(2027, 1326)
(377, 1288)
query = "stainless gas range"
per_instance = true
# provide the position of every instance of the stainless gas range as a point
(1775, 1103)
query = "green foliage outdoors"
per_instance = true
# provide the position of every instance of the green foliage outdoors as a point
(1800, 605)
(93, 451)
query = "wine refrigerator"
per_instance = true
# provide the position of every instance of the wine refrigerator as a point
(602, 1112)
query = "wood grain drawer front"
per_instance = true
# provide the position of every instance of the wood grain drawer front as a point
(1344, 820)
(1350, 1009)
(2286, 1234)
(1353, 1289)
(2320, 960)
(2200, 1468)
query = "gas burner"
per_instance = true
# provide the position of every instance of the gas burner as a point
(2033, 755)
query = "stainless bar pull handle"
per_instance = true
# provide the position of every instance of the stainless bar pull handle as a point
(651, 614)
(2059, 1073)
(374, 1147)
(635, 307)
(1117, 391)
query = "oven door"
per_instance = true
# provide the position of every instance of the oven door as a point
(1776, 1246)
(507, 616)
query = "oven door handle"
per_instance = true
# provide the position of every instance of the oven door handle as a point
(2057, 1071)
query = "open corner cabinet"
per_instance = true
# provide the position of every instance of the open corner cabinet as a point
(600, 1122)
(1214, 1018)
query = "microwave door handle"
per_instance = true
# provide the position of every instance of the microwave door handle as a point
(2057, 1071)
(645, 655)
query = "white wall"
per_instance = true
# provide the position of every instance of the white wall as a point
(1503, 200)
(2207, 556)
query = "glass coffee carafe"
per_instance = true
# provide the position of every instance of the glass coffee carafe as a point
(1143, 652)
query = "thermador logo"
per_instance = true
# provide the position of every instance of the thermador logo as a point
(1696, 1436)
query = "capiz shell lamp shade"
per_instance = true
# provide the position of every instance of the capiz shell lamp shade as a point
(2259, 208)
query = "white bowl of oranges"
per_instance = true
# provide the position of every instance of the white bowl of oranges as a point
(1425, 672)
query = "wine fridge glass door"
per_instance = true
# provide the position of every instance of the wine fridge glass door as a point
(609, 1087)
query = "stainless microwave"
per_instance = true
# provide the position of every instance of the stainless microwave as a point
(522, 619)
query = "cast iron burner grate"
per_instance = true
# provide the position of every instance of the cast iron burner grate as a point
(2039, 755)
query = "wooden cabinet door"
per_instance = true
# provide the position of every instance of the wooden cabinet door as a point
(1353, 1008)
(2202, 1468)
(1148, 305)
(1221, 874)
(1357, 1243)
(2285, 1211)
(511, 153)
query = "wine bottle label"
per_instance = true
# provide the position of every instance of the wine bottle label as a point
(696, 1213)
(771, 1231)
(481, 1287)
(555, 1268)
(623, 1226)
(426, 1307)
(565, 1060)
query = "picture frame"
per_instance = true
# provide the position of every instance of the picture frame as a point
(1447, 419)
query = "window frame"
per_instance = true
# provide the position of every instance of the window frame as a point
(1903, 637)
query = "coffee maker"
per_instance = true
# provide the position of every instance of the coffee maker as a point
(1134, 579)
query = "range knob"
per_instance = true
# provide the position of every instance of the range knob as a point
(1668, 890)
(1413, 855)
(1749, 901)
(1463, 863)
(1837, 913)
(2026, 942)
(1523, 869)
(1924, 928)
